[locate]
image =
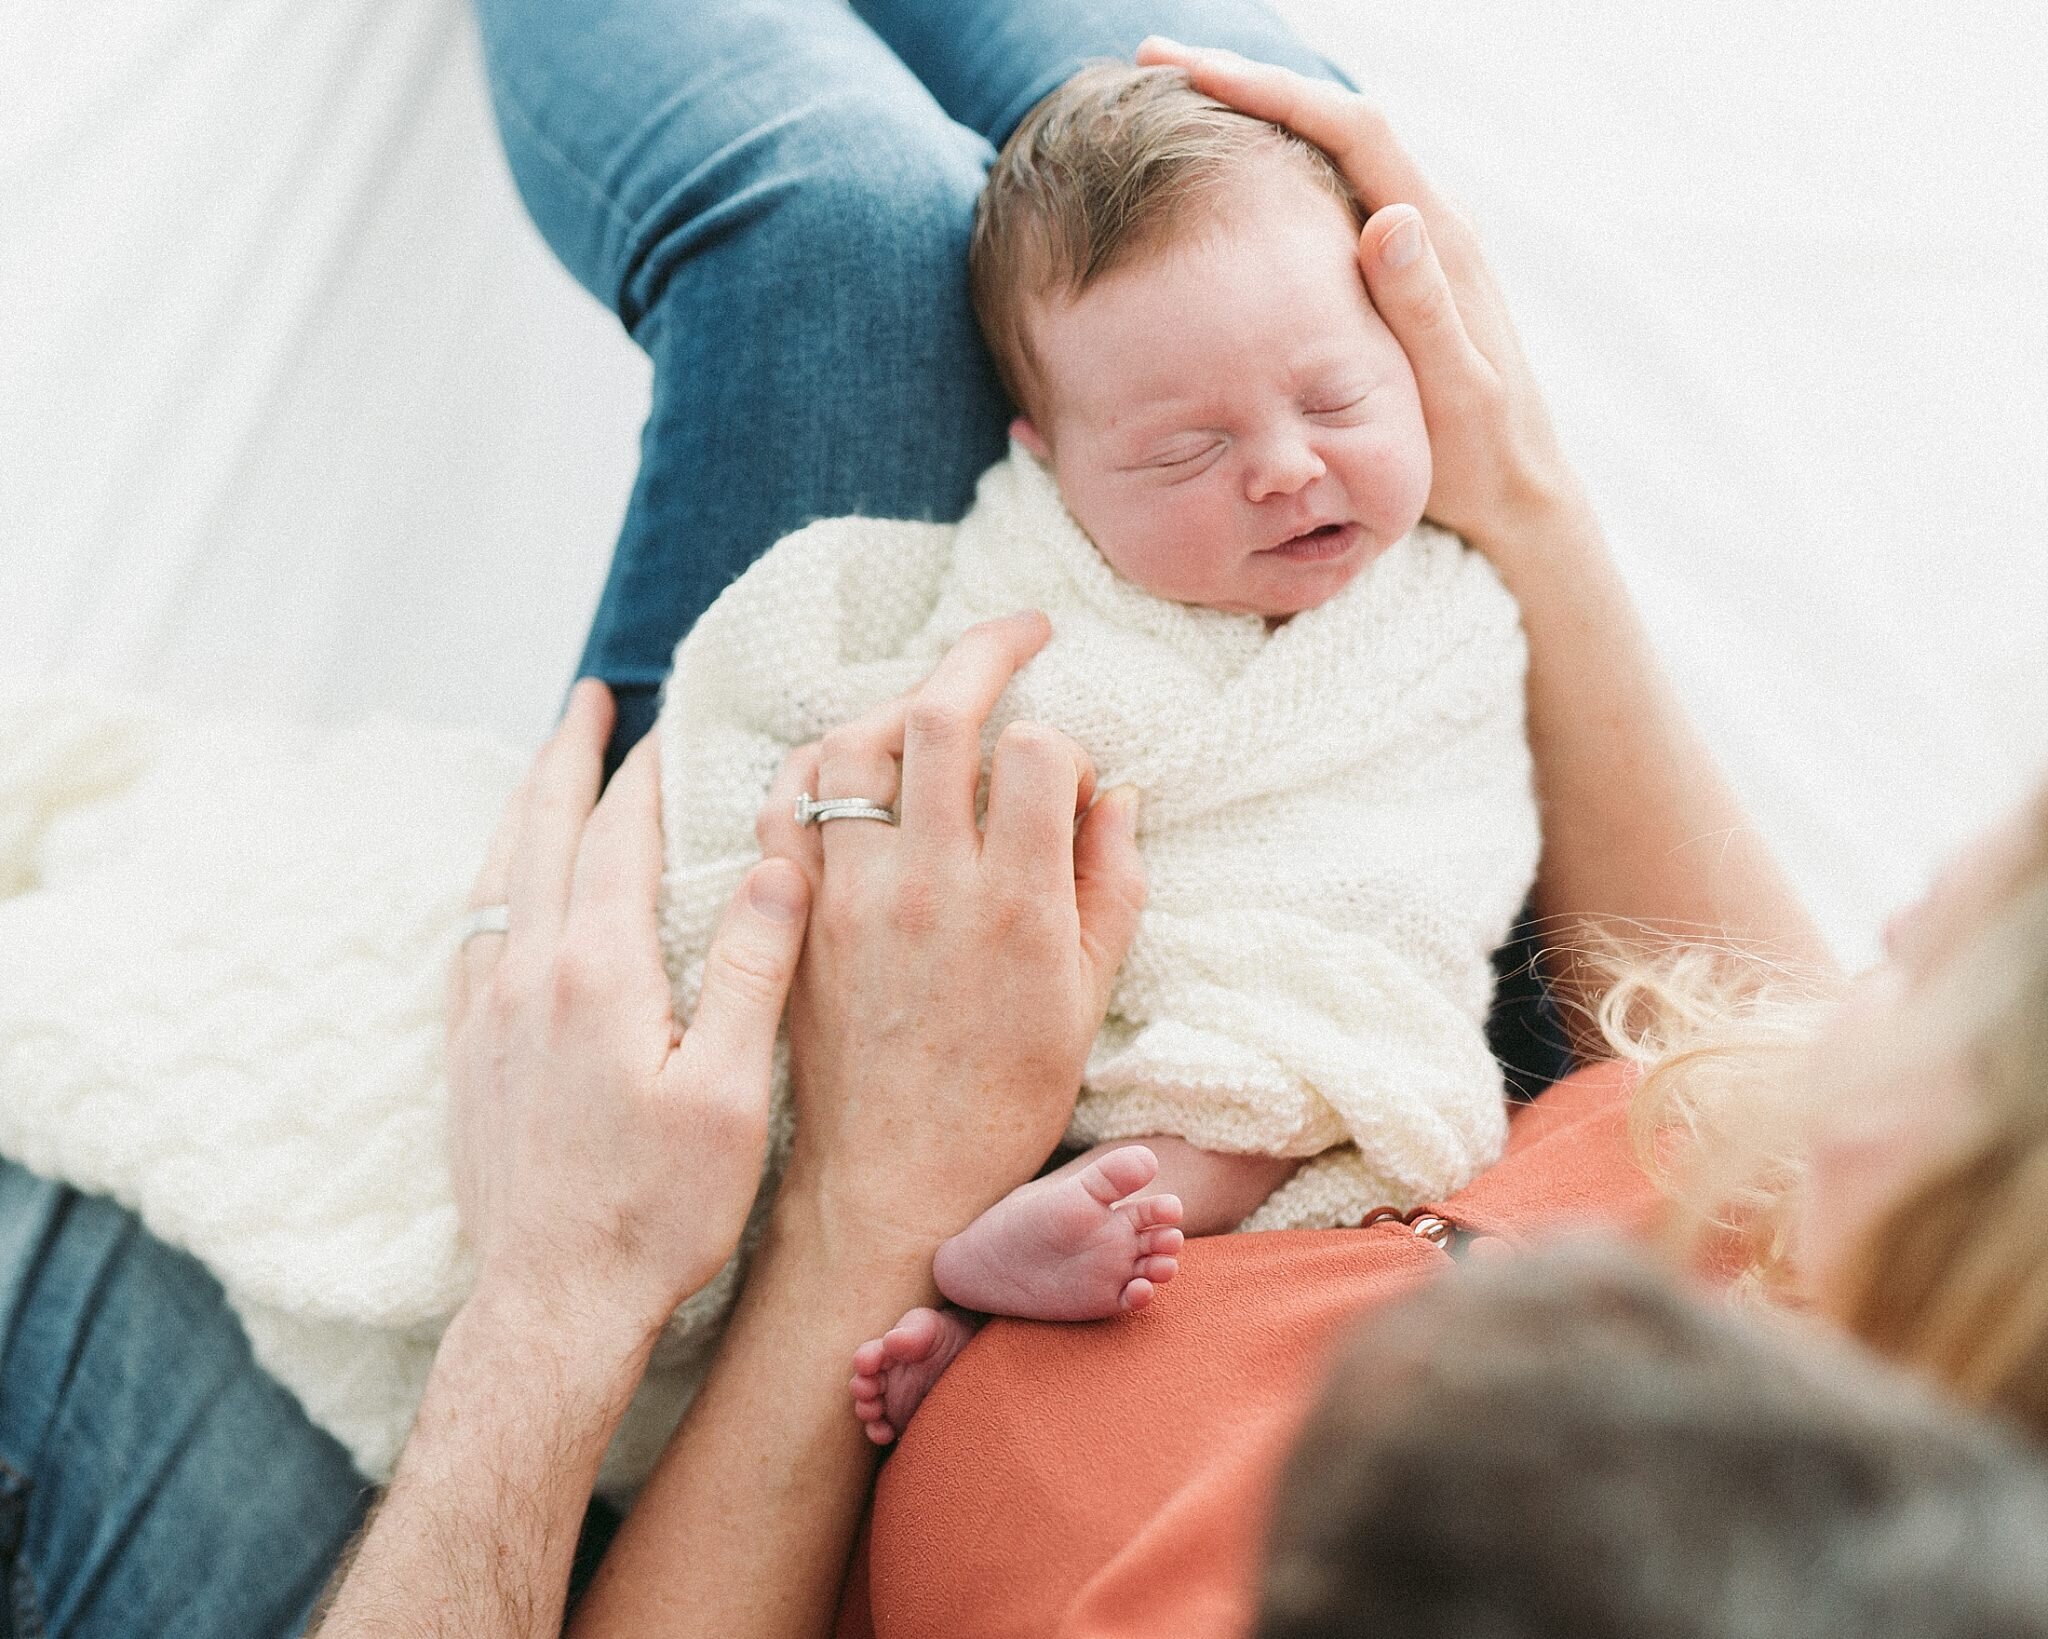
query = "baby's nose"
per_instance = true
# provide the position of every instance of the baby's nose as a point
(1282, 467)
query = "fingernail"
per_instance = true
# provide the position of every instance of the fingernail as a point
(1130, 805)
(1400, 248)
(776, 890)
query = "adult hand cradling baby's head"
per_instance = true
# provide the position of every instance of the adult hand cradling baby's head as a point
(1496, 455)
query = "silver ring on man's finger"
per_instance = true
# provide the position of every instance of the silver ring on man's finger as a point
(812, 810)
(486, 919)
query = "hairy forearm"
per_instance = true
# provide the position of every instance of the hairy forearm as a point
(475, 1536)
(1640, 825)
(745, 1529)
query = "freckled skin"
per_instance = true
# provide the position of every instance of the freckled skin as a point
(1226, 392)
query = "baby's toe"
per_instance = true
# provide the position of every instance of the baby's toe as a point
(912, 1337)
(1137, 1293)
(1155, 1212)
(871, 1357)
(1112, 1177)
(1158, 1270)
(1161, 1242)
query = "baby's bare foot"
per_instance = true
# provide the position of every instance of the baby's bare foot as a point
(1063, 1248)
(894, 1372)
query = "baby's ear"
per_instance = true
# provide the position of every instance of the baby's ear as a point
(1027, 435)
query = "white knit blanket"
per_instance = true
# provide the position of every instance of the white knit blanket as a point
(223, 949)
(1338, 824)
(223, 944)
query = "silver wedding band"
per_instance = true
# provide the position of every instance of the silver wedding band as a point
(816, 811)
(486, 919)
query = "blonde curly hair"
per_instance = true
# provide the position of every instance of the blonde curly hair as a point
(1952, 1279)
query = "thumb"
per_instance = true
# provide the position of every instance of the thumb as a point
(1109, 884)
(1412, 294)
(747, 972)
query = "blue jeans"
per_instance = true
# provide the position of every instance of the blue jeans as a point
(774, 196)
(153, 1479)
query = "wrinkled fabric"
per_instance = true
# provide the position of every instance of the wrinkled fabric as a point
(1112, 1480)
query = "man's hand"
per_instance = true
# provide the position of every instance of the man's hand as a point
(604, 1161)
(956, 972)
(955, 975)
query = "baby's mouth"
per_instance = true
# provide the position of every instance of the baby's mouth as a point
(1318, 545)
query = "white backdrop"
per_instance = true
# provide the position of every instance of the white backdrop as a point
(296, 409)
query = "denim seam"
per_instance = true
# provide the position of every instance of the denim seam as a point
(113, 1534)
(595, 190)
(103, 1273)
(24, 1615)
(46, 1237)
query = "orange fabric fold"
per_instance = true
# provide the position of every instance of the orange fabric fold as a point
(1112, 1480)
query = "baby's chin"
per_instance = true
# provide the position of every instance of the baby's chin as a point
(1302, 574)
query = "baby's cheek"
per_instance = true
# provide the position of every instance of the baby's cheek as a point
(1157, 548)
(1393, 480)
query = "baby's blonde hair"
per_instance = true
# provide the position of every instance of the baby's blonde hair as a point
(1953, 1277)
(1114, 165)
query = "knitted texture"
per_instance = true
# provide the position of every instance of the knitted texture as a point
(222, 975)
(224, 953)
(1338, 824)
(224, 944)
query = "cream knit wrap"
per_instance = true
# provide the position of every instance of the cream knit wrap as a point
(1338, 824)
(223, 946)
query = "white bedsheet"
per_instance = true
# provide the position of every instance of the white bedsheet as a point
(295, 407)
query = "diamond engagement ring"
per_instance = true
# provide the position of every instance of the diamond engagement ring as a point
(486, 919)
(816, 811)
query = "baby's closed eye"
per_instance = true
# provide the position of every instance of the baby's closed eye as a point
(1180, 457)
(1348, 404)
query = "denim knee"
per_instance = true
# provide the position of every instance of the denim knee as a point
(802, 294)
(853, 203)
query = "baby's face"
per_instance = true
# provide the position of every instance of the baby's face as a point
(1229, 419)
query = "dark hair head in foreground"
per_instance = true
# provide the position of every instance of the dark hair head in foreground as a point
(1565, 1445)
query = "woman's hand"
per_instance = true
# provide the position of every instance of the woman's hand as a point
(604, 1161)
(1639, 826)
(1500, 474)
(955, 975)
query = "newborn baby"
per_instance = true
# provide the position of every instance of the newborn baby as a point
(1214, 492)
